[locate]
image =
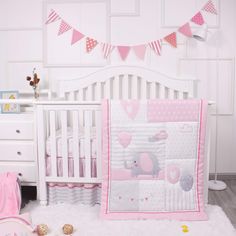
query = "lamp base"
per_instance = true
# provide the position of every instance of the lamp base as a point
(216, 185)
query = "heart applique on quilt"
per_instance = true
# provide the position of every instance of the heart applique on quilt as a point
(131, 108)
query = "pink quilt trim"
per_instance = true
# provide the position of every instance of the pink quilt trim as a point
(153, 115)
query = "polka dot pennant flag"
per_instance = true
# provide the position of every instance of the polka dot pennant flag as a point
(140, 51)
(156, 46)
(123, 51)
(198, 19)
(52, 17)
(76, 36)
(171, 39)
(106, 49)
(63, 27)
(209, 7)
(186, 30)
(90, 44)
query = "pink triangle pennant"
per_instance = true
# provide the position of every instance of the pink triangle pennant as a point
(198, 19)
(52, 17)
(64, 27)
(185, 30)
(76, 36)
(90, 44)
(171, 39)
(140, 51)
(209, 7)
(156, 46)
(124, 51)
(107, 49)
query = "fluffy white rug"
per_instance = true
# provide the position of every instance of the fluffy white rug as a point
(86, 222)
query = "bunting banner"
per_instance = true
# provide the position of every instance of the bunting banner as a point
(52, 17)
(90, 44)
(156, 46)
(171, 39)
(198, 19)
(76, 36)
(123, 51)
(63, 27)
(209, 7)
(106, 49)
(186, 30)
(139, 49)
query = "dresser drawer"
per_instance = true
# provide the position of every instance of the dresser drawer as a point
(27, 171)
(16, 130)
(16, 151)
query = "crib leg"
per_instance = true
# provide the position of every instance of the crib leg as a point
(43, 194)
(43, 203)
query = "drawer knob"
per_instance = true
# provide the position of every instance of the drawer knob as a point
(18, 131)
(19, 153)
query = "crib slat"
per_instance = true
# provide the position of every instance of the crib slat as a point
(98, 91)
(71, 96)
(64, 140)
(76, 143)
(116, 88)
(161, 91)
(107, 89)
(180, 95)
(98, 144)
(125, 87)
(153, 90)
(171, 94)
(143, 89)
(53, 144)
(87, 140)
(89, 93)
(81, 95)
(134, 87)
(81, 98)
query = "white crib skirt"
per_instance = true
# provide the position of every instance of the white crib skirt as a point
(89, 194)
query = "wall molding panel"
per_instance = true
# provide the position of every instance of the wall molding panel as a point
(169, 13)
(133, 9)
(226, 108)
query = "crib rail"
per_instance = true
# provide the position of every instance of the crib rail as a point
(69, 146)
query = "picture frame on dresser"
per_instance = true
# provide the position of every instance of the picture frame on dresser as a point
(8, 108)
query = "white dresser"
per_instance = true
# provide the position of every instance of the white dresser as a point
(17, 146)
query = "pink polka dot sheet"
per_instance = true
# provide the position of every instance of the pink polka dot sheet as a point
(153, 155)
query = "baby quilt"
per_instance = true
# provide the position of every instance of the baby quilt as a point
(153, 155)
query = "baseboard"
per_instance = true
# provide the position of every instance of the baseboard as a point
(223, 176)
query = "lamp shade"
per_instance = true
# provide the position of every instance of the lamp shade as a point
(201, 33)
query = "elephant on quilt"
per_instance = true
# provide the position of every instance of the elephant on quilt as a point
(143, 163)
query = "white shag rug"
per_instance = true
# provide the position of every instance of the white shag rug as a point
(86, 222)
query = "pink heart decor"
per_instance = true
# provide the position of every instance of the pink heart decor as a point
(124, 139)
(131, 108)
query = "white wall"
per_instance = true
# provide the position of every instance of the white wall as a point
(26, 43)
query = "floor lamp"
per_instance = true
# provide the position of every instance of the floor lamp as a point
(201, 35)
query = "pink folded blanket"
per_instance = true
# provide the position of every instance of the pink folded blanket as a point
(10, 196)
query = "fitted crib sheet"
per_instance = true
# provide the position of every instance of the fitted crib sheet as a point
(81, 144)
(71, 166)
(70, 143)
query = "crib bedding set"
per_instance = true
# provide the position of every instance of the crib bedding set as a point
(153, 155)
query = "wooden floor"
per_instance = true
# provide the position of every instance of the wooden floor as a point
(226, 199)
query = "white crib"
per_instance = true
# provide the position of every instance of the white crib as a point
(69, 130)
